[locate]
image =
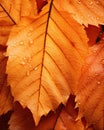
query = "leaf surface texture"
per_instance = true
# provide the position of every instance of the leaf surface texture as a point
(90, 92)
(45, 59)
(19, 8)
(85, 11)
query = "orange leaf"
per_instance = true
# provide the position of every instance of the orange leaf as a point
(67, 118)
(63, 118)
(91, 88)
(46, 55)
(84, 11)
(19, 8)
(5, 95)
(5, 26)
(22, 119)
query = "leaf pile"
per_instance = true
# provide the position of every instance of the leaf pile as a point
(52, 64)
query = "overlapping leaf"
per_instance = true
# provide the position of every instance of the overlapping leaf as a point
(84, 11)
(45, 55)
(5, 26)
(19, 8)
(4, 121)
(91, 88)
(63, 118)
(5, 95)
(67, 118)
(21, 119)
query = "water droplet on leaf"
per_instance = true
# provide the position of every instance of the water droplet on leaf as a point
(78, 1)
(31, 41)
(96, 74)
(36, 68)
(21, 43)
(97, 2)
(98, 82)
(91, 3)
(94, 51)
(22, 63)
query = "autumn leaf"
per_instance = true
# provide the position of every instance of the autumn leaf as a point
(5, 95)
(63, 118)
(91, 88)
(84, 11)
(67, 118)
(45, 63)
(21, 119)
(19, 8)
(34, 47)
(5, 26)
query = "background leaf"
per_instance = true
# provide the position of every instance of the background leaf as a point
(5, 94)
(67, 118)
(84, 11)
(4, 120)
(91, 88)
(21, 119)
(5, 26)
(17, 9)
(93, 33)
(63, 118)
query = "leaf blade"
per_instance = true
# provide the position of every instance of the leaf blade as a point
(93, 88)
(92, 14)
(45, 77)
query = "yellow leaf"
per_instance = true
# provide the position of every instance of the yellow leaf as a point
(84, 11)
(91, 88)
(19, 8)
(5, 95)
(5, 26)
(46, 55)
